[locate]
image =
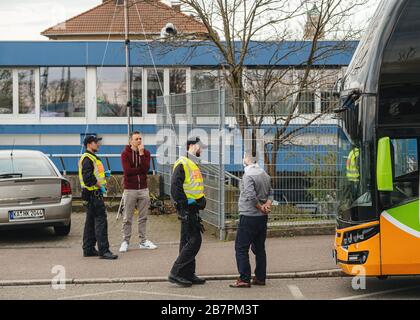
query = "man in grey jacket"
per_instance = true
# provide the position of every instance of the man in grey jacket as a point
(254, 205)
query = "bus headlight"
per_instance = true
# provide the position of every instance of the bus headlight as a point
(359, 235)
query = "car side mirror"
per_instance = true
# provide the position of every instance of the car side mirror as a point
(384, 179)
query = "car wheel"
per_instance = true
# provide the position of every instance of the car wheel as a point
(62, 230)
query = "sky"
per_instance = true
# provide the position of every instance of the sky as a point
(26, 19)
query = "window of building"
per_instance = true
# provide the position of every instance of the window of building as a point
(26, 80)
(204, 80)
(155, 81)
(111, 92)
(328, 102)
(204, 96)
(62, 91)
(178, 88)
(6, 91)
(137, 91)
(306, 102)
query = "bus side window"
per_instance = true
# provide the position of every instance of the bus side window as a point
(404, 156)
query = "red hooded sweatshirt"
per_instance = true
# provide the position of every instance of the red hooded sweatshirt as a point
(135, 168)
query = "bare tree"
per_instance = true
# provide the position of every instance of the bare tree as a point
(240, 29)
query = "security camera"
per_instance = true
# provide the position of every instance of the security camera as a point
(168, 31)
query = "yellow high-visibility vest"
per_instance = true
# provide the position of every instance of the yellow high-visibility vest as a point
(352, 165)
(98, 171)
(193, 182)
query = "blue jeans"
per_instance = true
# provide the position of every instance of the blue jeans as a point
(252, 232)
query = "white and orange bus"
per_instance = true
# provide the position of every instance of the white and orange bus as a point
(378, 221)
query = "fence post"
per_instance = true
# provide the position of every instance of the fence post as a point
(221, 164)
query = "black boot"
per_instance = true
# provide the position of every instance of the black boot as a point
(197, 280)
(108, 256)
(179, 281)
(91, 253)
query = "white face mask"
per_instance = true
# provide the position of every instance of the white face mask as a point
(243, 163)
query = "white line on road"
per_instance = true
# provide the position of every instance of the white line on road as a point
(361, 296)
(132, 291)
(169, 294)
(91, 294)
(296, 293)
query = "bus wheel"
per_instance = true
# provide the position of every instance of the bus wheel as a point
(382, 277)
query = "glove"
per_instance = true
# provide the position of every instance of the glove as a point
(103, 190)
(108, 173)
(191, 202)
(201, 205)
(183, 215)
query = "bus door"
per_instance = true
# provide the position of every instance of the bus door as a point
(400, 219)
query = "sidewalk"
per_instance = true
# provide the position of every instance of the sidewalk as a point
(33, 254)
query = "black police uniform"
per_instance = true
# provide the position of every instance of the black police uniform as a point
(96, 224)
(191, 228)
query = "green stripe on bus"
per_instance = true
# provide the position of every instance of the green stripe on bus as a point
(407, 214)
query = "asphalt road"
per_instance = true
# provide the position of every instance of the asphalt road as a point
(281, 289)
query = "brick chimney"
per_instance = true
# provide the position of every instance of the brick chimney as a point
(176, 6)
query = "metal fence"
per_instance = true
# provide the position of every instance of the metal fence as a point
(302, 167)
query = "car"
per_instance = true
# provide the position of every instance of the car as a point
(33, 192)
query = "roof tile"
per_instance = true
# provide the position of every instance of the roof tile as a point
(145, 17)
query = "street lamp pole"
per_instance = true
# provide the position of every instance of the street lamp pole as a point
(127, 66)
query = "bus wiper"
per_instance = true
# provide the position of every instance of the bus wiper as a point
(10, 175)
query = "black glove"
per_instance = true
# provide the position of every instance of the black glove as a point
(183, 214)
(201, 203)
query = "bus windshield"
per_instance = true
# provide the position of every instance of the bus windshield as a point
(354, 170)
(399, 86)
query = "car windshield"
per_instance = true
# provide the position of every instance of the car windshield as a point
(28, 166)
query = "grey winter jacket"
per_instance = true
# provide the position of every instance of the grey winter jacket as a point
(255, 188)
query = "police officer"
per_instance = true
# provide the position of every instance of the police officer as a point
(187, 191)
(92, 180)
(352, 165)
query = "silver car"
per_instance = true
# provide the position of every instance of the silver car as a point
(33, 193)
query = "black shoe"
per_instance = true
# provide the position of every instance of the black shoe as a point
(179, 281)
(197, 280)
(91, 253)
(108, 256)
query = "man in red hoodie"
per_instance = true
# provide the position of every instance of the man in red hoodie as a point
(135, 161)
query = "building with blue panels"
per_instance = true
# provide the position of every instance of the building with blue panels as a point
(54, 93)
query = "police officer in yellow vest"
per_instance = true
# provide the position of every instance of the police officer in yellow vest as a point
(187, 192)
(352, 165)
(92, 180)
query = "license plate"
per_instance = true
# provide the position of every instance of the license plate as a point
(31, 214)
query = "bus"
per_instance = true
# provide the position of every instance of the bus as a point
(378, 220)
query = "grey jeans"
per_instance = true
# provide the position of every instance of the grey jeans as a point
(141, 200)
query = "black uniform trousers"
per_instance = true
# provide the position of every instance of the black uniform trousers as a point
(189, 247)
(96, 225)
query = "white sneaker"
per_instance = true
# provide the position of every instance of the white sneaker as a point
(147, 244)
(124, 246)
